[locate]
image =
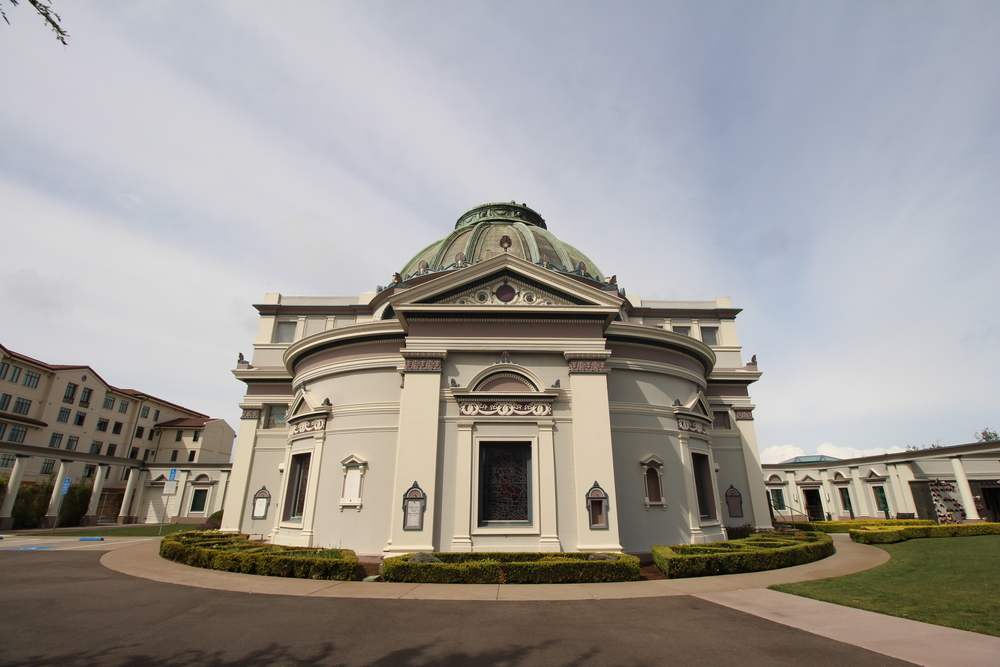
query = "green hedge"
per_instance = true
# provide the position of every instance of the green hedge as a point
(765, 551)
(234, 552)
(890, 534)
(846, 526)
(511, 568)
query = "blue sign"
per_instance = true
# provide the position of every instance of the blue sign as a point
(173, 475)
(65, 486)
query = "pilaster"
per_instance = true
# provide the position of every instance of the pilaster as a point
(965, 491)
(55, 502)
(236, 503)
(548, 521)
(462, 537)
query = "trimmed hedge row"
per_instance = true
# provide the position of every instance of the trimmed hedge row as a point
(766, 551)
(846, 526)
(889, 534)
(234, 552)
(511, 568)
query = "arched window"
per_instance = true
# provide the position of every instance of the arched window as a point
(652, 481)
(597, 507)
(734, 501)
(653, 490)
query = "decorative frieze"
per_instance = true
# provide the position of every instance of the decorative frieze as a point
(505, 408)
(588, 366)
(308, 426)
(743, 414)
(692, 426)
(423, 365)
(250, 413)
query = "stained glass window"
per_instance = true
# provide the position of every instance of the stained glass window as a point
(505, 483)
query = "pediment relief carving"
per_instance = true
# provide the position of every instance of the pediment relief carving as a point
(505, 291)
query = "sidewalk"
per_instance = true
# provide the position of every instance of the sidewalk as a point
(919, 643)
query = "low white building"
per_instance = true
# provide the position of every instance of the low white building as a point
(502, 393)
(944, 484)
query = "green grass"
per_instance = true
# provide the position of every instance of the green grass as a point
(127, 531)
(952, 581)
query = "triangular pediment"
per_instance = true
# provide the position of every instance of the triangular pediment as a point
(503, 290)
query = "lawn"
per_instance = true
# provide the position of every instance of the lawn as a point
(127, 531)
(951, 581)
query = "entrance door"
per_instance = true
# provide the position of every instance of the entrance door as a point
(814, 504)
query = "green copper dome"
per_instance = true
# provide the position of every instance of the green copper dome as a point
(491, 229)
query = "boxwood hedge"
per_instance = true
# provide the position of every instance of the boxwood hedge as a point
(234, 552)
(511, 568)
(889, 534)
(846, 526)
(765, 551)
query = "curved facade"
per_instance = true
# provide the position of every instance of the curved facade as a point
(502, 402)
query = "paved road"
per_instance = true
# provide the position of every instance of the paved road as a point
(64, 608)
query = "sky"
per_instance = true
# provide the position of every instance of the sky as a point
(832, 167)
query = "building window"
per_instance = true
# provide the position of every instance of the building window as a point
(17, 434)
(504, 483)
(79, 419)
(597, 507)
(144, 413)
(156, 416)
(710, 335)
(191, 456)
(5, 402)
(139, 431)
(123, 407)
(297, 482)
(89, 470)
(145, 455)
(7, 460)
(102, 424)
(720, 419)
(276, 416)
(85, 397)
(55, 440)
(198, 499)
(845, 499)
(117, 428)
(21, 406)
(133, 453)
(107, 472)
(284, 332)
(47, 466)
(881, 501)
(3, 429)
(31, 379)
(95, 447)
(703, 486)
(180, 434)
(197, 434)
(15, 373)
(111, 449)
(126, 472)
(778, 499)
(71, 443)
(109, 402)
(70, 394)
(652, 481)
(684, 331)
(734, 502)
(354, 473)
(151, 432)
(4, 367)
(173, 455)
(63, 415)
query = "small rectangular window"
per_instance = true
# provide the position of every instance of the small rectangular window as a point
(284, 332)
(89, 470)
(778, 499)
(71, 443)
(123, 407)
(133, 453)
(21, 406)
(881, 501)
(95, 447)
(139, 431)
(5, 402)
(3, 429)
(144, 413)
(197, 434)
(845, 499)
(198, 499)
(15, 373)
(151, 432)
(297, 481)
(70, 394)
(17, 433)
(112, 448)
(145, 455)
(85, 397)
(156, 416)
(7, 460)
(276, 416)
(31, 379)
(173, 455)
(180, 434)
(47, 466)
(720, 419)
(710, 335)
(191, 455)
(4, 367)
(125, 473)
(79, 419)
(684, 331)
(107, 472)
(55, 440)
(117, 428)
(102, 424)
(63, 415)
(109, 402)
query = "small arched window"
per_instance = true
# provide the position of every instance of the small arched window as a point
(734, 501)
(597, 507)
(652, 481)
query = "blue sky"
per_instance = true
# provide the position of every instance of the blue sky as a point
(833, 167)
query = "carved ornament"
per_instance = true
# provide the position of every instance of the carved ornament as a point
(692, 426)
(308, 426)
(423, 365)
(505, 408)
(250, 413)
(743, 414)
(588, 366)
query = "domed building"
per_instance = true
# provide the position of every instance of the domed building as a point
(501, 394)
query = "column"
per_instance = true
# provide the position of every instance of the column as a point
(962, 482)
(91, 518)
(133, 476)
(548, 521)
(900, 490)
(593, 459)
(827, 494)
(861, 495)
(182, 487)
(461, 538)
(237, 503)
(312, 488)
(13, 486)
(416, 449)
(55, 503)
(751, 461)
(219, 497)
